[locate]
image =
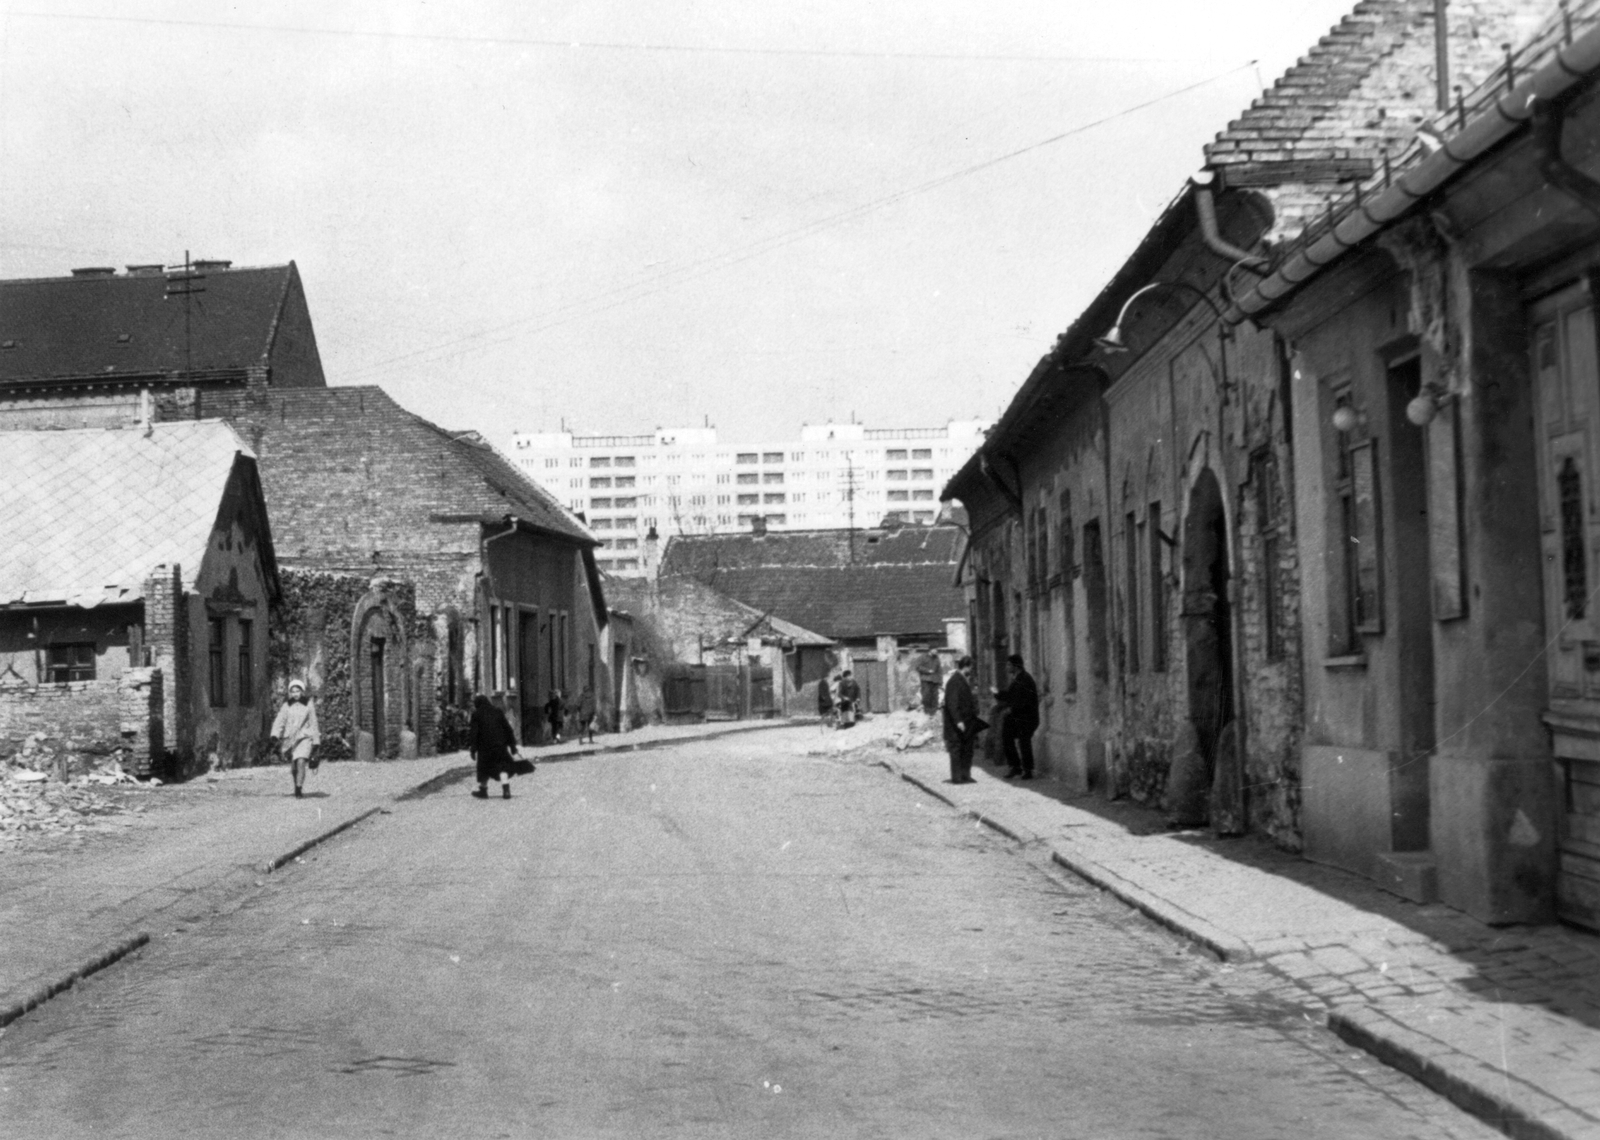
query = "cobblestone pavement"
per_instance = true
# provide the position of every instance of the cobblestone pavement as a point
(1506, 1021)
(180, 851)
(727, 939)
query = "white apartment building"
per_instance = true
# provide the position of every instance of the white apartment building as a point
(684, 481)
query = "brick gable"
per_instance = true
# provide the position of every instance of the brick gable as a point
(1361, 92)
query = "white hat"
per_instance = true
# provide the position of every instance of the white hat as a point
(293, 685)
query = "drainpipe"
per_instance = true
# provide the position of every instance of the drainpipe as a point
(483, 558)
(1206, 204)
(1548, 120)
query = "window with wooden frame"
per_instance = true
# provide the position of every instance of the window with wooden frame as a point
(1356, 598)
(1130, 549)
(217, 661)
(69, 661)
(1158, 592)
(247, 673)
(1069, 638)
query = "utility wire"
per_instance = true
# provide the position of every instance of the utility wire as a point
(693, 270)
(613, 45)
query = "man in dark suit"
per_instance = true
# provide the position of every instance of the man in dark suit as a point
(961, 723)
(1021, 701)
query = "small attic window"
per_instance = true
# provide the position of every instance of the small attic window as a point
(124, 338)
(8, 344)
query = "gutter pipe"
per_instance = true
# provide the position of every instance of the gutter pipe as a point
(1574, 183)
(1571, 66)
(1205, 204)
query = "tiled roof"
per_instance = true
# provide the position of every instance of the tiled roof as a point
(1361, 92)
(850, 601)
(349, 467)
(85, 516)
(908, 546)
(83, 326)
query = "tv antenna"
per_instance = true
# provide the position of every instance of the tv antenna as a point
(186, 285)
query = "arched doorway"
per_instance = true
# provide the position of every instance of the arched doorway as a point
(381, 690)
(1208, 640)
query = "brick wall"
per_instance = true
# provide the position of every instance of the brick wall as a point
(70, 728)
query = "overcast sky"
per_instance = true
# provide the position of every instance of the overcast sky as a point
(630, 215)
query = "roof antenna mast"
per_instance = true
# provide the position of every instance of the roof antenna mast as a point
(186, 285)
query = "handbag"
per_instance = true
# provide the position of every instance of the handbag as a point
(521, 767)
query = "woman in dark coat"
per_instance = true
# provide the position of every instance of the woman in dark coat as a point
(492, 744)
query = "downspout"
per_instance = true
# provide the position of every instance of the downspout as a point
(1548, 120)
(483, 558)
(1205, 204)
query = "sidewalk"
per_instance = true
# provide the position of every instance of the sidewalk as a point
(67, 910)
(1503, 1021)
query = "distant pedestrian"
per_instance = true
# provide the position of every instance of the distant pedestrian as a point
(1021, 701)
(586, 713)
(555, 711)
(961, 722)
(295, 735)
(825, 701)
(492, 744)
(849, 699)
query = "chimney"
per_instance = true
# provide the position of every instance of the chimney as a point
(758, 525)
(155, 270)
(210, 265)
(96, 271)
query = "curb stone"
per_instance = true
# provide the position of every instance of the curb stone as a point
(1408, 1051)
(1483, 1091)
(93, 965)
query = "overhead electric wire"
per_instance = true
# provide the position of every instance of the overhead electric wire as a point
(693, 270)
(612, 45)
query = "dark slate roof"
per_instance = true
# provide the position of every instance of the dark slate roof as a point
(899, 582)
(851, 601)
(72, 326)
(349, 467)
(702, 554)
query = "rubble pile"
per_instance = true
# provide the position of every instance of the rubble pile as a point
(36, 800)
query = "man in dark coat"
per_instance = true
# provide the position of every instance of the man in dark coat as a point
(849, 699)
(492, 744)
(1021, 701)
(961, 722)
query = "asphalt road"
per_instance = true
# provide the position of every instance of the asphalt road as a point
(717, 940)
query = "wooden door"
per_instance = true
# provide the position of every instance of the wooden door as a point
(530, 702)
(1568, 383)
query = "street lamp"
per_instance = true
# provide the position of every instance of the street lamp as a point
(1112, 341)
